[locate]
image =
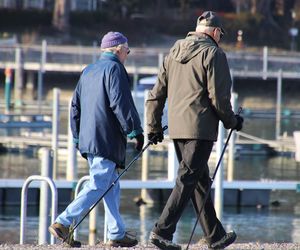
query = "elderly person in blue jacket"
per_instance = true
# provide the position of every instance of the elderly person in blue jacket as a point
(103, 114)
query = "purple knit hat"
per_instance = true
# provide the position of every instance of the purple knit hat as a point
(112, 39)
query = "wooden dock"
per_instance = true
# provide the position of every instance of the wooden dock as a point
(25, 121)
(264, 63)
(165, 184)
(245, 143)
(236, 193)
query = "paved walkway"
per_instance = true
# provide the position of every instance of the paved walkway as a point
(238, 246)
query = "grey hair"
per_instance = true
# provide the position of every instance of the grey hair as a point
(204, 29)
(113, 49)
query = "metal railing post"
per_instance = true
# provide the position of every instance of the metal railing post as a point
(172, 162)
(55, 130)
(43, 61)
(218, 199)
(160, 59)
(145, 156)
(92, 218)
(231, 148)
(296, 135)
(135, 83)
(278, 105)
(18, 78)
(24, 192)
(265, 62)
(77, 190)
(71, 172)
(93, 226)
(46, 171)
(8, 76)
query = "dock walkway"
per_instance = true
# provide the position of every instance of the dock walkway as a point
(236, 193)
(283, 144)
(165, 184)
(263, 63)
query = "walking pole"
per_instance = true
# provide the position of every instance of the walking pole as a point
(212, 180)
(68, 237)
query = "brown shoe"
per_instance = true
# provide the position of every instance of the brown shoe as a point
(61, 232)
(128, 240)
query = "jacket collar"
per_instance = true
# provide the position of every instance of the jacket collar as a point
(109, 56)
(200, 35)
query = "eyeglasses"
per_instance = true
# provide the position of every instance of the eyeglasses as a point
(127, 49)
(221, 32)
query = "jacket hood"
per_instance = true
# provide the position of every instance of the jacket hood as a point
(185, 49)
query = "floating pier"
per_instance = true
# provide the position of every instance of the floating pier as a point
(236, 193)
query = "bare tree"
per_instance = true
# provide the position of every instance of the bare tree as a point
(61, 15)
(296, 10)
(264, 8)
(245, 6)
(253, 6)
(160, 8)
(184, 6)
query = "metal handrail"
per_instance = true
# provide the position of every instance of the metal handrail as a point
(24, 203)
(77, 189)
(81, 181)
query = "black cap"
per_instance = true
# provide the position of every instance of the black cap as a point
(210, 19)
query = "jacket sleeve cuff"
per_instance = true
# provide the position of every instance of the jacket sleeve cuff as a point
(135, 133)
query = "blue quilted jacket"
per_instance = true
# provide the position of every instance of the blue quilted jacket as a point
(102, 110)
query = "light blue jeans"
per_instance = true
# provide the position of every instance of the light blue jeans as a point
(102, 173)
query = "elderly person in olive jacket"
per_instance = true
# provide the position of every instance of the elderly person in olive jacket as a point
(102, 116)
(195, 79)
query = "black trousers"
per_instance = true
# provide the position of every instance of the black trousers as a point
(192, 183)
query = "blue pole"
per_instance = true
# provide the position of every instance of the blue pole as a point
(7, 89)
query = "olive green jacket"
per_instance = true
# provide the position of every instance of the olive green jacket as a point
(195, 79)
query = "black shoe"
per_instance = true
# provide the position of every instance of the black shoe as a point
(162, 243)
(228, 239)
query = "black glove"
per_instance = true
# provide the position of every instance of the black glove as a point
(139, 142)
(239, 124)
(155, 137)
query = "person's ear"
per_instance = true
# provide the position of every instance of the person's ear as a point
(118, 50)
(215, 32)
